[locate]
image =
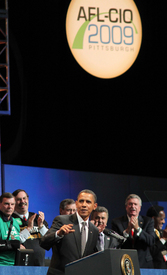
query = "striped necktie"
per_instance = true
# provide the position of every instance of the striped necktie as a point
(101, 241)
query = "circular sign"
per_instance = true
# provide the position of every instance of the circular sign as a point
(127, 265)
(104, 36)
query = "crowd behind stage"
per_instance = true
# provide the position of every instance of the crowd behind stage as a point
(79, 230)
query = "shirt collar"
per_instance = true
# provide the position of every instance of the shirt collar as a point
(5, 219)
(22, 215)
(80, 220)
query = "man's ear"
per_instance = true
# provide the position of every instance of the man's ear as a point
(95, 206)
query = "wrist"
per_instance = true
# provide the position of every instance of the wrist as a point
(29, 228)
(41, 226)
(127, 230)
(59, 234)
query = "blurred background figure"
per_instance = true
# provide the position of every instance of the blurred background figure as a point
(9, 229)
(32, 225)
(137, 229)
(67, 207)
(159, 249)
(99, 218)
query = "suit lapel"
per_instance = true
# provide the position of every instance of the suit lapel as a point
(90, 237)
(125, 222)
(140, 221)
(77, 234)
(106, 242)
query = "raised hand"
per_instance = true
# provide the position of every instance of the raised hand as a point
(31, 222)
(65, 229)
(40, 219)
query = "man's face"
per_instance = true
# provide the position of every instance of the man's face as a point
(100, 218)
(85, 205)
(69, 209)
(133, 207)
(22, 203)
(160, 220)
(7, 206)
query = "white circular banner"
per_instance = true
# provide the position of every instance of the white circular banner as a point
(104, 36)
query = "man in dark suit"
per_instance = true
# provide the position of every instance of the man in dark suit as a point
(99, 217)
(65, 238)
(33, 226)
(139, 230)
(67, 207)
(159, 249)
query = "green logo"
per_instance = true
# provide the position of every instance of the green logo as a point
(19, 221)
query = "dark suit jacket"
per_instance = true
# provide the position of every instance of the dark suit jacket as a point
(156, 249)
(68, 248)
(33, 241)
(141, 243)
(110, 242)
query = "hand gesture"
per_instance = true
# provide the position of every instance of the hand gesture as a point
(31, 222)
(100, 226)
(40, 219)
(134, 222)
(65, 229)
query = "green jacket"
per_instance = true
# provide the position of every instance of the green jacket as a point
(8, 257)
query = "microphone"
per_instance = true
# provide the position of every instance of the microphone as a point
(112, 233)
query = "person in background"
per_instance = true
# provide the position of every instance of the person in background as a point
(8, 225)
(34, 226)
(138, 230)
(72, 236)
(67, 207)
(159, 249)
(99, 217)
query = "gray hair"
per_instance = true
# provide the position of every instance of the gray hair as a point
(133, 196)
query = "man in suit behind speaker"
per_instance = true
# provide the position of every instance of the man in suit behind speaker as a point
(138, 230)
(65, 234)
(67, 207)
(99, 217)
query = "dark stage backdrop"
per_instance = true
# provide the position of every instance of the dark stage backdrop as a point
(62, 117)
(47, 187)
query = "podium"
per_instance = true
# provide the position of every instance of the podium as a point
(108, 262)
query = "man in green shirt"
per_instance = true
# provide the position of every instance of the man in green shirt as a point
(7, 205)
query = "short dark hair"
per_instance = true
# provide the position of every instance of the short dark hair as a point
(89, 192)
(16, 192)
(99, 209)
(6, 195)
(154, 210)
(66, 202)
